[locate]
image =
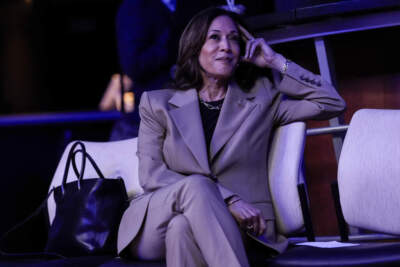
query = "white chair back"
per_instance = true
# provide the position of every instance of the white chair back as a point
(369, 171)
(285, 173)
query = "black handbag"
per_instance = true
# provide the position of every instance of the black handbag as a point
(88, 211)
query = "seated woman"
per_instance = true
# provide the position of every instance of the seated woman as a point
(203, 146)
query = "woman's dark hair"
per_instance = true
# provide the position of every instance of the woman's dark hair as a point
(188, 70)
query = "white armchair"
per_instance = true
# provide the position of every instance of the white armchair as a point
(118, 158)
(369, 186)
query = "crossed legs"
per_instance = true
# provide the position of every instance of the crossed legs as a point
(188, 224)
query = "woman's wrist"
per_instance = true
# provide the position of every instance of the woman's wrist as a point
(280, 63)
(232, 199)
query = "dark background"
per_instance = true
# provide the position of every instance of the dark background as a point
(59, 55)
(56, 55)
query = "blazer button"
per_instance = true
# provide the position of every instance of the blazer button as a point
(302, 77)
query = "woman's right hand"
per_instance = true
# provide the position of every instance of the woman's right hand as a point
(248, 217)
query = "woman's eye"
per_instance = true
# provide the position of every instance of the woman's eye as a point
(214, 37)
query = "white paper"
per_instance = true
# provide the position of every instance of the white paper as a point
(328, 244)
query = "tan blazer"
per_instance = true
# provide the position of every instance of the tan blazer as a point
(171, 144)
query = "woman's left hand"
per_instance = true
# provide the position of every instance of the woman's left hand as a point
(249, 217)
(259, 53)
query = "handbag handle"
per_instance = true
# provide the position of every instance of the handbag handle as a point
(85, 155)
(71, 155)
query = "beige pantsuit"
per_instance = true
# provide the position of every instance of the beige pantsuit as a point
(173, 158)
(176, 214)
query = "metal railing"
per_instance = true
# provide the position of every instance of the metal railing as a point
(327, 130)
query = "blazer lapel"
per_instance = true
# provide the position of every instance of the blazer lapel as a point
(234, 111)
(186, 117)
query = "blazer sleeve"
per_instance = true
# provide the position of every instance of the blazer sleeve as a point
(153, 172)
(306, 95)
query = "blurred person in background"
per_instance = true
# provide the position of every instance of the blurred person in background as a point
(147, 46)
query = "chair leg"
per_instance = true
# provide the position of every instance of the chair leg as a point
(343, 227)
(306, 212)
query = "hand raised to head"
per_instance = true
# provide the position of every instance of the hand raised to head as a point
(259, 53)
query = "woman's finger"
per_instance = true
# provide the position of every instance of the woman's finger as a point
(257, 222)
(245, 218)
(249, 228)
(246, 223)
(245, 33)
(251, 221)
(252, 50)
(263, 226)
(248, 217)
(249, 43)
(256, 225)
(249, 48)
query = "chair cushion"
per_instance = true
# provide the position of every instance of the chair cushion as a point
(369, 171)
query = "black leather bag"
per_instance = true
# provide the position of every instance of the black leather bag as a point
(88, 211)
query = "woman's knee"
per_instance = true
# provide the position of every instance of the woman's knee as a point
(199, 183)
(177, 227)
(200, 189)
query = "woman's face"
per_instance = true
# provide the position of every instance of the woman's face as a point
(220, 52)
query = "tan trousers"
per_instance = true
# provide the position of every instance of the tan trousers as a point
(188, 224)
